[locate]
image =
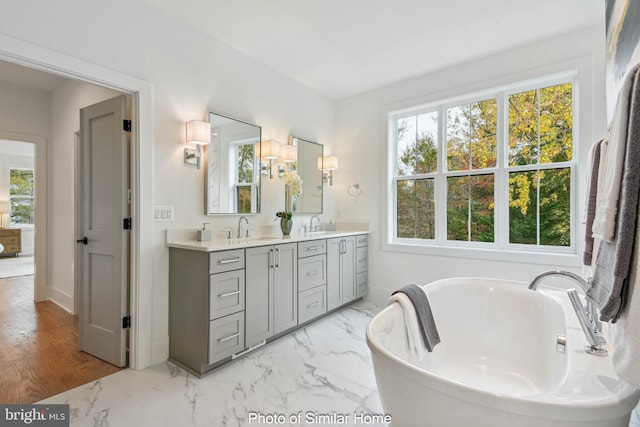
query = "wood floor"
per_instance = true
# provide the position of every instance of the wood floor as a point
(39, 354)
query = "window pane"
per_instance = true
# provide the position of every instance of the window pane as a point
(426, 149)
(471, 136)
(245, 163)
(556, 124)
(555, 207)
(523, 213)
(21, 182)
(417, 146)
(416, 209)
(244, 198)
(482, 208)
(553, 227)
(405, 144)
(458, 208)
(470, 208)
(541, 125)
(458, 135)
(523, 128)
(22, 211)
(483, 140)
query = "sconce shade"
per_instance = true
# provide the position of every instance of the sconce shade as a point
(198, 133)
(270, 149)
(288, 153)
(329, 163)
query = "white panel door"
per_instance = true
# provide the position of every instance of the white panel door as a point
(105, 250)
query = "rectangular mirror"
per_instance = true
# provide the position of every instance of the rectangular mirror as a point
(310, 201)
(232, 181)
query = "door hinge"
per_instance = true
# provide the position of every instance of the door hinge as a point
(127, 223)
(126, 125)
(126, 322)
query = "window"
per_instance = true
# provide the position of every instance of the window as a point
(494, 170)
(21, 196)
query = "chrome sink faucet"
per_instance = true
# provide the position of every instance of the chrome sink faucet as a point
(311, 228)
(588, 317)
(240, 226)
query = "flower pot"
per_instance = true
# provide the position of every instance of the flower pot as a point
(286, 225)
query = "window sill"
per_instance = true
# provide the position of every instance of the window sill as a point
(559, 259)
(22, 226)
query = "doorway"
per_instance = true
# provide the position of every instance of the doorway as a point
(54, 316)
(141, 271)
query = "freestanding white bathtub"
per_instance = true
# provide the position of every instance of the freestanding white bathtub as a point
(497, 364)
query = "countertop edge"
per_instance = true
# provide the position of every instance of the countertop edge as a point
(222, 245)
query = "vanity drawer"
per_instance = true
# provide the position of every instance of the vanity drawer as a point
(362, 263)
(362, 280)
(312, 272)
(362, 240)
(311, 248)
(226, 293)
(312, 303)
(222, 261)
(226, 336)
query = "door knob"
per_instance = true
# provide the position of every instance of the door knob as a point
(84, 240)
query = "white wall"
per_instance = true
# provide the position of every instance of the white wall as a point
(361, 144)
(66, 101)
(190, 74)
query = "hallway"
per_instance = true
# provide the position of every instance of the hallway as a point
(39, 354)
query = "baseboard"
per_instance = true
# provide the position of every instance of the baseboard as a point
(63, 300)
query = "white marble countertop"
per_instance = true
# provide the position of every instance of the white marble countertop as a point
(248, 242)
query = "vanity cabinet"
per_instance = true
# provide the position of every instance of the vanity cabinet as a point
(206, 307)
(271, 291)
(312, 280)
(341, 271)
(226, 302)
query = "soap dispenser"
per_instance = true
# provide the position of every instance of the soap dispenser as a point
(204, 234)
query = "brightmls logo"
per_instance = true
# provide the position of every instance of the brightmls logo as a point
(34, 415)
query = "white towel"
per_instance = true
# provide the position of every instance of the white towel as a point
(416, 346)
(611, 165)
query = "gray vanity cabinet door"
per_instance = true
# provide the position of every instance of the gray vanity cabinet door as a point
(341, 271)
(285, 287)
(334, 291)
(259, 294)
(349, 289)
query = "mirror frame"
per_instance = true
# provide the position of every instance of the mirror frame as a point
(206, 172)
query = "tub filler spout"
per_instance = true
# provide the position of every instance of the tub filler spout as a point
(588, 317)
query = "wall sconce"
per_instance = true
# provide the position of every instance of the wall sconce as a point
(288, 154)
(5, 208)
(268, 150)
(327, 165)
(199, 134)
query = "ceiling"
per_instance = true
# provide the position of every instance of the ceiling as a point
(344, 47)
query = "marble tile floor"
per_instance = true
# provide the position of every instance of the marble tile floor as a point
(323, 370)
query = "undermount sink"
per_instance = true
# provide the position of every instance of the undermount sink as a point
(314, 233)
(251, 239)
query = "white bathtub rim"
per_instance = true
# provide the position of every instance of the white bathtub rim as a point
(592, 408)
